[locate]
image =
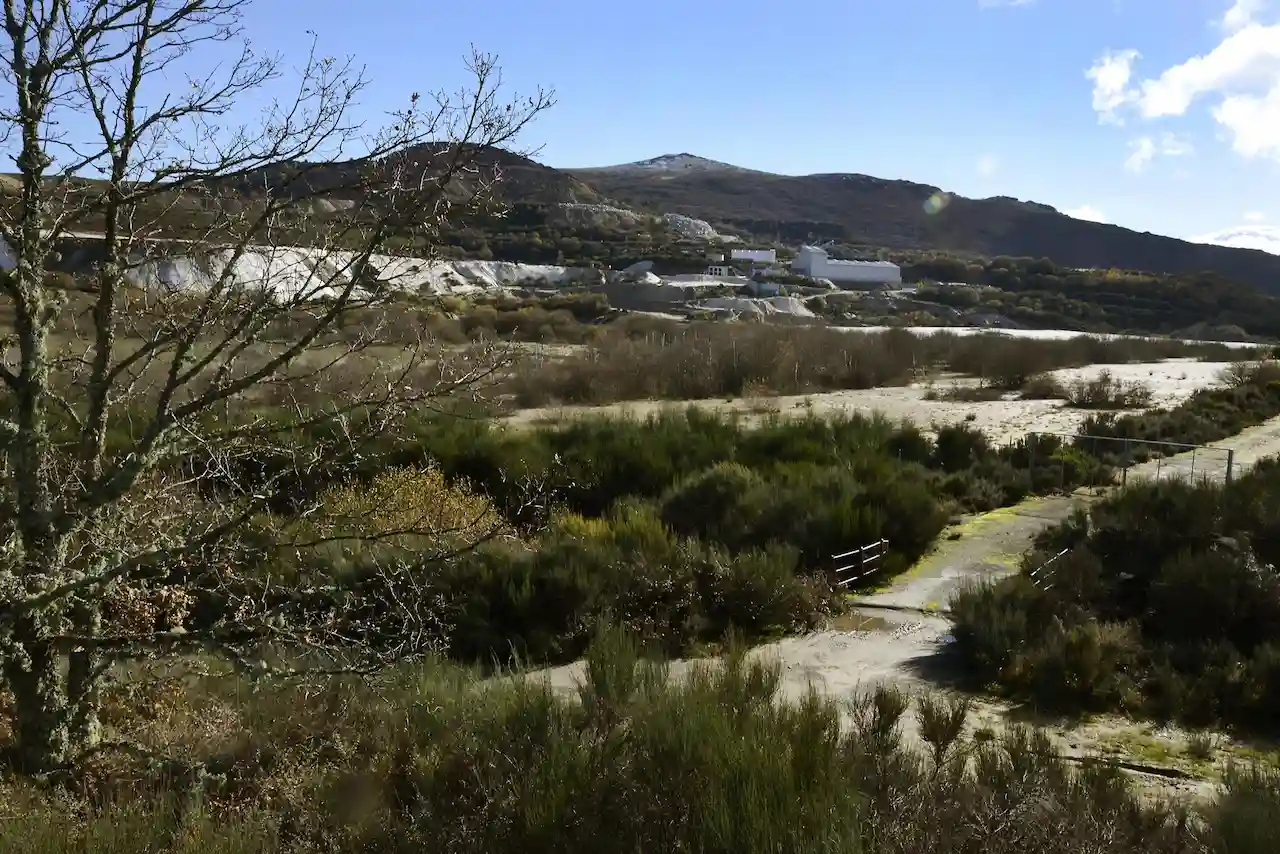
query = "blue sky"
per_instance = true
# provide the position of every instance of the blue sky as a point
(1176, 129)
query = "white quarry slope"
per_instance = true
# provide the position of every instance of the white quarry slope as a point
(300, 272)
(290, 273)
(770, 306)
(414, 275)
(695, 229)
(580, 213)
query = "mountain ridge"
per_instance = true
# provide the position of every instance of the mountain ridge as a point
(865, 213)
(682, 162)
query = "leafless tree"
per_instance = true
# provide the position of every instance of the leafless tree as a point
(147, 425)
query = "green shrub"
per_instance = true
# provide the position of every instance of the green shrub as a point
(1138, 529)
(544, 602)
(965, 393)
(959, 446)
(1106, 392)
(1042, 387)
(1242, 820)
(1160, 605)
(819, 511)
(991, 622)
(1214, 595)
(909, 444)
(1207, 416)
(430, 759)
(709, 360)
(714, 504)
(972, 493)
(716, 763)
(1085, 666)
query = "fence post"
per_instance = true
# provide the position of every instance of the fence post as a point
(1095, 479)
(1193, 465)
(1062, 469)
(1231, 458)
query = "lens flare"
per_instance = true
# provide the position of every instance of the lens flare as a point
(935, 203)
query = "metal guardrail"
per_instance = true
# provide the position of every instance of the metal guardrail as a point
(859, 563)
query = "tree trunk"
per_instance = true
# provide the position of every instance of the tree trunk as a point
(40, 703)
(84, 683)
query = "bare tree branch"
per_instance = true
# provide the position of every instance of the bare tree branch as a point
(150, 420)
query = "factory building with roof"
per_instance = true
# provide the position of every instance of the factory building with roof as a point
(815, 263)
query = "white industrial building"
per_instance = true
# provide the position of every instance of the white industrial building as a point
(817, 264)
(759, 256)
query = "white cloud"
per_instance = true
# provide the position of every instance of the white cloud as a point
(1242, 14)
(1141, 152)
(1253, 122)
(1086, 212)
(987, 165)
(1254, 216)
(1264, 237)
(1246, 59)
(1111, 75)
(1144, 149)
(1242, 73)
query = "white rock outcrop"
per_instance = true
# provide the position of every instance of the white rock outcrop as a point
(299, 272)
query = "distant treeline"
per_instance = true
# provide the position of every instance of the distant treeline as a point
(1040, 293)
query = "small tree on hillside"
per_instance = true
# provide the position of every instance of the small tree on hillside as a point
(146, 425)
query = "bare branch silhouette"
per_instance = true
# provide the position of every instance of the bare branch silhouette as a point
(217, 352)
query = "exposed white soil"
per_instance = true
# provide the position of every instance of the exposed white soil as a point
(1037, 334)
(1004, 421)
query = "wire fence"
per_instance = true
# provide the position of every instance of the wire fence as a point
(1141, 459)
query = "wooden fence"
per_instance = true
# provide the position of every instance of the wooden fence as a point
(858, 564)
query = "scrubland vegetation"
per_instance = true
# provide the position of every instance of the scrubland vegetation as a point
(1104, 391)
(687, 525)
(620, 356)
(1251, 396)
(269, 574)
(706, 360)
(1163, 600)
(428, 759)
(682, 527)
(689, 531)
(1166, 603)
